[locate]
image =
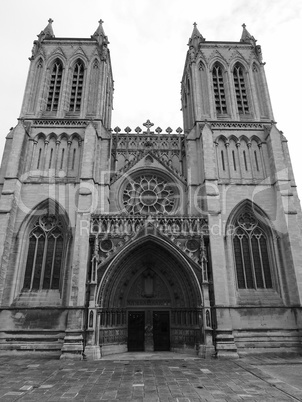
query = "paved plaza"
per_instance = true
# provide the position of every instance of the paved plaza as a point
(151, 377)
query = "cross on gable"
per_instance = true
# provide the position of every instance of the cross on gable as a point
(50, 21)
(148, 125)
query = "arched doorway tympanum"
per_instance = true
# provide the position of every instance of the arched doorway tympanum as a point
(149, 300)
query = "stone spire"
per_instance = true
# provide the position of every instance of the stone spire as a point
(99, 34)
(194, 43)
(196, 37)
(47, 31)
(246, 36)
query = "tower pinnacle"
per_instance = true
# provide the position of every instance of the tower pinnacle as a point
(47, 31)
(196, 33)
(195, 38)
(246, 36)
(99, 34)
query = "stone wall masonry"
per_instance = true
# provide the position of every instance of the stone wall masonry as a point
(5, 157)
(208, 152)
(8, 210)
(80, 260)
(89, 148)
(258, 329)
(34, 329)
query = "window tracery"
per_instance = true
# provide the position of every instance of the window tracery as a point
(219, 91)
(55, 86)
(149, 194)
(240, 89)
(45, 254)
(77, 87)
(251, 254)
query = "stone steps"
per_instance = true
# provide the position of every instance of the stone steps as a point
(31, 341)
(268, 341)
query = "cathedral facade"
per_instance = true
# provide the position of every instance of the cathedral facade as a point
(148, 239)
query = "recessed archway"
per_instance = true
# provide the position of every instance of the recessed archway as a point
(149, 299)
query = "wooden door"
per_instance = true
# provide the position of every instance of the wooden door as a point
(136, 331)
(161, 330)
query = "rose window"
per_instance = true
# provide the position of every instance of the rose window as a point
(148, 194)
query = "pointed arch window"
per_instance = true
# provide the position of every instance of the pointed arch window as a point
(77, 87)
(94, 85)
(55, 86)
(251, 254)
(219, 91)
(240, 89)
(45, 254)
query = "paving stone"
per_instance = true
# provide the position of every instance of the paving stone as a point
(154, 380)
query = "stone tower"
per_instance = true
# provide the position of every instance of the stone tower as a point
(148, 239)
(247, 189)
(52, 165)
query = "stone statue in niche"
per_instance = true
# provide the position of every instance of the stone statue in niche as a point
(148, 288)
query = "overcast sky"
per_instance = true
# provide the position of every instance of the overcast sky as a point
(148, 45)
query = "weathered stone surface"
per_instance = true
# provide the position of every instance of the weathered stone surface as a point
(100, 225)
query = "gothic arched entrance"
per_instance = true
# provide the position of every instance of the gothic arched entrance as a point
(149, 298)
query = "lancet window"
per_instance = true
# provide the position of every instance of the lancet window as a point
(55, 86)
(240, 89)
(45, 254)
(219, 91)
(251, 252)
(77, 87)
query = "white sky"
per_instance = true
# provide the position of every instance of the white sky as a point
(148, 45)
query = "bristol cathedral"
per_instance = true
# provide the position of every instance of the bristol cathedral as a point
(148, 239)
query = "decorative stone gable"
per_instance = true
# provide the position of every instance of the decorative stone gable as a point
(128, 148)
(113, 233)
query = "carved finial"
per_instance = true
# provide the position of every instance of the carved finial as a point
(46, 33)
(148, 125)
(99, 34)
(246, 36)
(196, 37)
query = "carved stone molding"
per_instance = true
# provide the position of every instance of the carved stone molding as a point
(114, 232)
(157, 155)
(236, 125)
(61, 122)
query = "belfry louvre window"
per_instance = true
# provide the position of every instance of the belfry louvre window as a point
(240, 89)
(45, 252)
(77, 87)
(251, 254)
(219, 92)
(54, 87)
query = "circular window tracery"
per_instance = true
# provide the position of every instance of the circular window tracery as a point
(149, 194)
